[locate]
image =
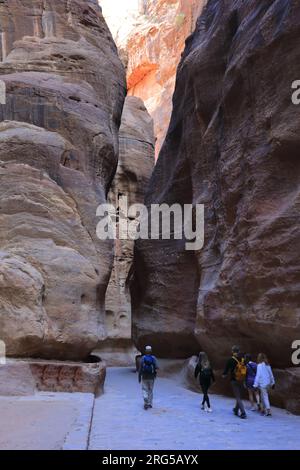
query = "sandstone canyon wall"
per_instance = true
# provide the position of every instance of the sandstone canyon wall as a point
(136, 162)
(150, 35)
(154, 49)
(233, 145)
(58, 155)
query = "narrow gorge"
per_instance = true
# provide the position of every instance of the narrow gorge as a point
(162, 101)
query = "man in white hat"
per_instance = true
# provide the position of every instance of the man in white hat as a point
(147, 375)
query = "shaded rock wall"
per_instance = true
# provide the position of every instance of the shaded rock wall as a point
(232, 145)
(136, 162)
(58, 152)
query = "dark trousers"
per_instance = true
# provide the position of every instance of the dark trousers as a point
(237, 388)
(205, 386)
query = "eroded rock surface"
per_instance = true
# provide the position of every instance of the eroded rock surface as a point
(25, 377)
(136, 162)
(150, 35)
(58, 151)
(154, 49)
(232, 145)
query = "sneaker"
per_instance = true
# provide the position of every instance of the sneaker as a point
(209, 410)
(268, 413)
(203, 407)
(146, 407)
(235, 411)
(150, 406)
(243, 416)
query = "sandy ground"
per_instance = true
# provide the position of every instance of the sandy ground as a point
(177, 423)
(45, 421)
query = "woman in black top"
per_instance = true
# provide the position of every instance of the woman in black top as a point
(206, 378)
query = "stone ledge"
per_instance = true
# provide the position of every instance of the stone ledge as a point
(25, 377)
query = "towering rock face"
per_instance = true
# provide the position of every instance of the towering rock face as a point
(154, 49)
(232, 145)
(136, 162)
(65, 88)
(150, 35)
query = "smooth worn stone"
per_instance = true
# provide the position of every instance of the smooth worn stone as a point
(232, 145)
(65, 89)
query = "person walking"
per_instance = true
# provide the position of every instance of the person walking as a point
(264, 380)
(147, 375)
(206, 378)
(249, 383)
(236, 367)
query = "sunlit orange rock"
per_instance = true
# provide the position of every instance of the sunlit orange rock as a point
(150, 36)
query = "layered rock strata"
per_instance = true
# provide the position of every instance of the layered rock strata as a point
(233, 146)
(136, 162)
(150, 35)
(65, 88)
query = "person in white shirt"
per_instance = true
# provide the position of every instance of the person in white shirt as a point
(264, 380)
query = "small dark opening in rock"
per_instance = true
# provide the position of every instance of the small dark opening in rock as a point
(92, 359)
(75, 98)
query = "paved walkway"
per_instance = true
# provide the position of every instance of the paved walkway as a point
(176, 421)
(46, 421)
(65, 421)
